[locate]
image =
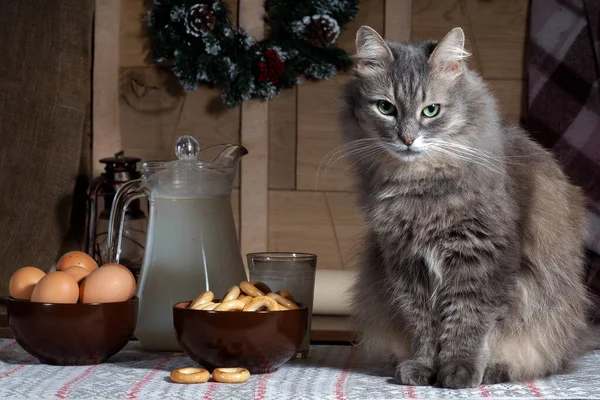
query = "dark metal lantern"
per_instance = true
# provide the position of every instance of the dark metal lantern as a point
(118, 170)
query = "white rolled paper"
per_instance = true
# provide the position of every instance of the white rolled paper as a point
(332, 295)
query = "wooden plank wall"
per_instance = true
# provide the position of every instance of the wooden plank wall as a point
(306, 211)
(254, 130)
(105, 95)
(495, 32)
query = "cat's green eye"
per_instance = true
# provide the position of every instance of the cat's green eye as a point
(431, 110)
(385, 107)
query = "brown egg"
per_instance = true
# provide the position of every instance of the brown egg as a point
(107, 284)
(56, 287)
(23, 281)
(133, 287)
(77, 258)
(78, 273)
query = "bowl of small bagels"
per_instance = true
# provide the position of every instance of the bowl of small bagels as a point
(250, 327)
(80, 314)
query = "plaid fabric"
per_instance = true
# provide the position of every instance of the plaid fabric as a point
(564, 101)
(564, 98)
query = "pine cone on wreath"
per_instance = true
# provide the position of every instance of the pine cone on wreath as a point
(320, 30)
(199, 19)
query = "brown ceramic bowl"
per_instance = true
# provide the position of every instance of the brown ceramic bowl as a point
(259, 341)
(72, 334)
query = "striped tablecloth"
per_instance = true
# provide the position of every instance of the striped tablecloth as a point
(330, 372)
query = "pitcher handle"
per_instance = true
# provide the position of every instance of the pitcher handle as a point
(125, 194)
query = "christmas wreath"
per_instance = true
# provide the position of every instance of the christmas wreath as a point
(201, 45)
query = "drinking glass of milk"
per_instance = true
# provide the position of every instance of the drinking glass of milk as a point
(294, 272)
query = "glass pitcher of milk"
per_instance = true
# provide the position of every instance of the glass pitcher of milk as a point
(191, 244)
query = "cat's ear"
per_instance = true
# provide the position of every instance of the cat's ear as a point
(372, 52)
(449, 54)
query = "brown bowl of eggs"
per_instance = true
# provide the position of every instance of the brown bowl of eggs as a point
(80, 314)
(251, 328)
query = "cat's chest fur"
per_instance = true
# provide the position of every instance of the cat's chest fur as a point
(409, 225)
(412, 223)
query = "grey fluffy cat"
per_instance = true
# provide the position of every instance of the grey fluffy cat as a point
(473, 265)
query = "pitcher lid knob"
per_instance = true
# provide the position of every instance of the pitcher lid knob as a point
(187, 148)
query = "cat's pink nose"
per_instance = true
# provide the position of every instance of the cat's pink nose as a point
(407, 141)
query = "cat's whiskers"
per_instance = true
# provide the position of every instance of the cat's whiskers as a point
(340, 101)
(464, 157)
(362, 154)
(469, 158)
(481, 158)
(357, 154)
(480, 152)
(349, 152)
(353, 153)
(373, 152)
(344, 148)
(466, 149)
(349, 145)
(471, 153)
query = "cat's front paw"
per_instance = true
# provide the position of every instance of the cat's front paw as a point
(496, 373)
(459, 374)
(414, 373)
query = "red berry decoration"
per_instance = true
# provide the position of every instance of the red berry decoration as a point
(272, 68)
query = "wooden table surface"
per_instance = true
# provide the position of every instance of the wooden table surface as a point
(325, 328)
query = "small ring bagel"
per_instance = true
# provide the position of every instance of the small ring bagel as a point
(232, 294)
(245, 299)
(190, 375)
(205, 297)
(287, 295)
(231, 375)
(263, 287)
(207, 307)
(250, 289)
(283, 301)
(260, 302)
(201, 306)
(232, 305)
